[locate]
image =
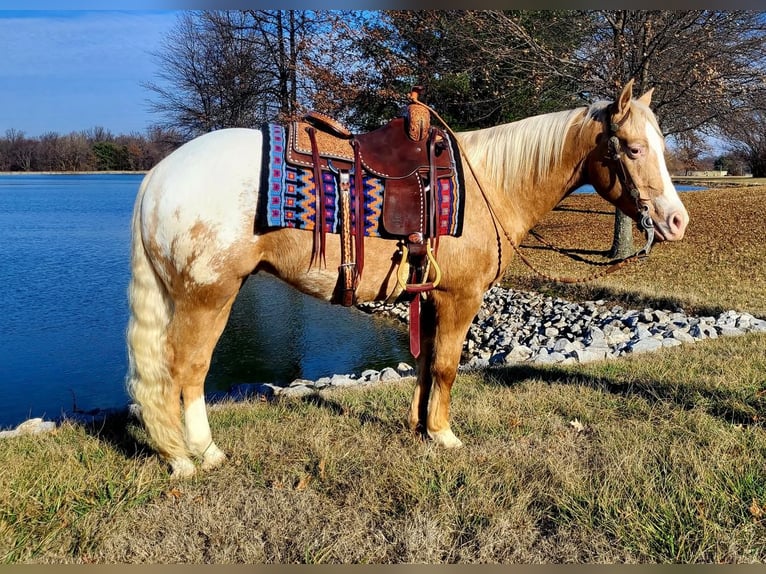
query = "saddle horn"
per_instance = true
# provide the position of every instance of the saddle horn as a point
(418, 117)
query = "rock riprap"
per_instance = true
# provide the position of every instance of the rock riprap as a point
(520, 326)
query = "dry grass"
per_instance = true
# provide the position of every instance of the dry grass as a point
(666, 461)
(720, 264)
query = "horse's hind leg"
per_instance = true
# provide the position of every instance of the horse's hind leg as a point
(192, 336)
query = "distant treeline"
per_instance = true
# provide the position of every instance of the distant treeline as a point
(95, 149)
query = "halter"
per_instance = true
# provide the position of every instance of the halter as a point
(615, 154)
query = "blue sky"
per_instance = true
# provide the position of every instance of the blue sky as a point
(65, 71)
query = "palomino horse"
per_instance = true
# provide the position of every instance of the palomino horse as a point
(194, 245)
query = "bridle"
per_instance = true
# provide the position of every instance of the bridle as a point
(615, 155)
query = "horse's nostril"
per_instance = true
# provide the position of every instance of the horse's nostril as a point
(677, 223)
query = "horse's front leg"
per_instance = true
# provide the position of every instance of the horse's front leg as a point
(445, 319)
(419, 407)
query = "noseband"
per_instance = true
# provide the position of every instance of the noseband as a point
(615, 154)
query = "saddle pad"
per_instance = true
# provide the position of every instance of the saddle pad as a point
(288, 194)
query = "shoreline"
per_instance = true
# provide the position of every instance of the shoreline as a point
(512, 327)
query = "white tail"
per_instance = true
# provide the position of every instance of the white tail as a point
(148, 380)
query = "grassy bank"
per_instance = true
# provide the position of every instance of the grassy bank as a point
(720, 264)
(650, 458)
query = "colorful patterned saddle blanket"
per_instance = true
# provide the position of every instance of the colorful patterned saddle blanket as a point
(406, 186)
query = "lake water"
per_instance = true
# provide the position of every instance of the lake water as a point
(588, 188)
(64, 265)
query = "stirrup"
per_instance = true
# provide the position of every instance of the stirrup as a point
(404, 269)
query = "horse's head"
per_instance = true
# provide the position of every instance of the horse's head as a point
(628, 166)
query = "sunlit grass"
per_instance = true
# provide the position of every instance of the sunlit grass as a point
(641, 459)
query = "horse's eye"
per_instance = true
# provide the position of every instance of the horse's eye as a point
(634, 150)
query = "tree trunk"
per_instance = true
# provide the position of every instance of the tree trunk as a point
(622, 243)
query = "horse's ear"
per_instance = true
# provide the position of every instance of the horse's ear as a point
(646, 99)
(622, 103)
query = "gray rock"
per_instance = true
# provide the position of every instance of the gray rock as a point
(297, 391)
(729, 331)
(30, 426)
(405, 370)
(389, 374)
(564, 346)
(518, 353)
(682, 336)
(343, 381)
(645, 345)
(589, 354)
(595, 335)
(551, 332)
(546, 358)
(702, 331)
(615, 335)
(267, 390)
(642, 333)
(518, 326)
(478, 363)
(298, 382)
(661, 317)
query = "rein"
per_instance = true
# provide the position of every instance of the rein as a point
(626, 181)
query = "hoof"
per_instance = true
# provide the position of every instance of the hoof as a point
(445, 438)
(212, 458)
(182, 468)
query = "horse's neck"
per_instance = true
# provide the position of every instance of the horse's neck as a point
(521, 200)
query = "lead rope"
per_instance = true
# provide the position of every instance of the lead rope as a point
(646, 222)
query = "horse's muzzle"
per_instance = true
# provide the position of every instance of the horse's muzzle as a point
(673, 226)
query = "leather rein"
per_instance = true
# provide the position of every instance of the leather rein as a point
(614, 154)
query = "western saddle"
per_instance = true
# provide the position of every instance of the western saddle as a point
(408, 155)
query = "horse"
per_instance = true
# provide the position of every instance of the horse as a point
(194, 243)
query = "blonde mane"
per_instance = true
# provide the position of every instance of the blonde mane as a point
(525, 149)
(529, 149)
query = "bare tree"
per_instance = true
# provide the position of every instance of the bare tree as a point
(76, 153)
(233, 68)
(704, 65)
(487, 67)
(454, 56)
(285, 37)
(212, 75)
(747, 138)
(19, 151)
(48, 151)
(690, 148)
